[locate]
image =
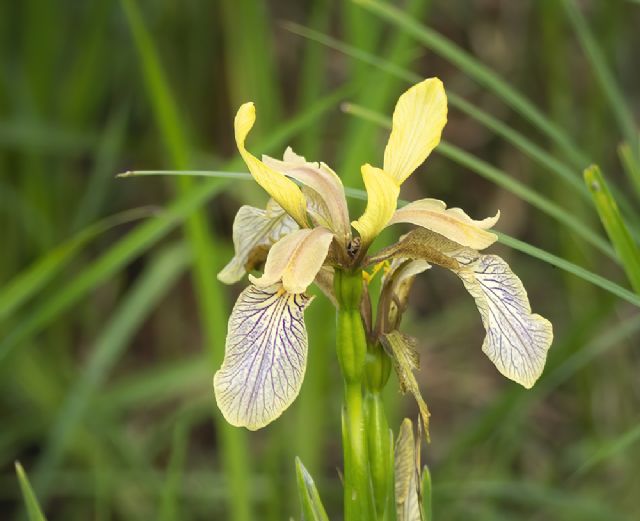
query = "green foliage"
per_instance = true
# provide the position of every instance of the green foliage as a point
(613, 222)
(34, 511)
(312, 508)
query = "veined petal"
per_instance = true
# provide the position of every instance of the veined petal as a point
(517, 340)
(452, 223)
(283, 190)
(407, 475)
(265, 356)
(418, 120)
(332, 211)
(296, 259)
(382, 199)
(254, 231)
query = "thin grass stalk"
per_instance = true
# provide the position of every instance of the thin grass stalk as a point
(604, 76)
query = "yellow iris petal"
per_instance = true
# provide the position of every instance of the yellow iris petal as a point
(382, 198)
(452, 223)
(284, 191)
(295, 260)
(418, 120)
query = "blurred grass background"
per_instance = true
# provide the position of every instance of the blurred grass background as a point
(111, 319)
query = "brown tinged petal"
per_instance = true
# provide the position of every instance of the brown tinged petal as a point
(452, 223)
(328, 203)
(402, 349)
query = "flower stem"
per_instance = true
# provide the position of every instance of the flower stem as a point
(351, 347)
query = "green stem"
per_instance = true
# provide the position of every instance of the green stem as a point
(352, 349)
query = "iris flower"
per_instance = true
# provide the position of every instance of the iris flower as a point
(304, 233)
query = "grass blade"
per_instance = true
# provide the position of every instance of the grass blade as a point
(478, 71)
(611, 448)
(614, 224)
(109, 263)
(604, 76)
(169, 504)
(570, 267)
(113, 340)
(34, 512)
(312, 508)
(31, 280)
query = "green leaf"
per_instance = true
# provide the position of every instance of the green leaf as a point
(34, 511)
(614, 224)
(312, 508)
(610, 448)
(427, 502)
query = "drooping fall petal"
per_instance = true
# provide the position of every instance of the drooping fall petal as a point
(382, 198)
(328, 205)
(265, 356)
(452, 223)
(517, 340)
(418, 120)
(296, 259)
(285, 192)
(254, 231)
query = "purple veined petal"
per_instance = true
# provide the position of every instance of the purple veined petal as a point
(265, 356)
(517, 340)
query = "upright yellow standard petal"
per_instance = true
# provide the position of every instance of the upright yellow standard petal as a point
(418, 120)
(382, 198)
(285, 192)
(265, 356)
(295, 260)
(451, 223)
